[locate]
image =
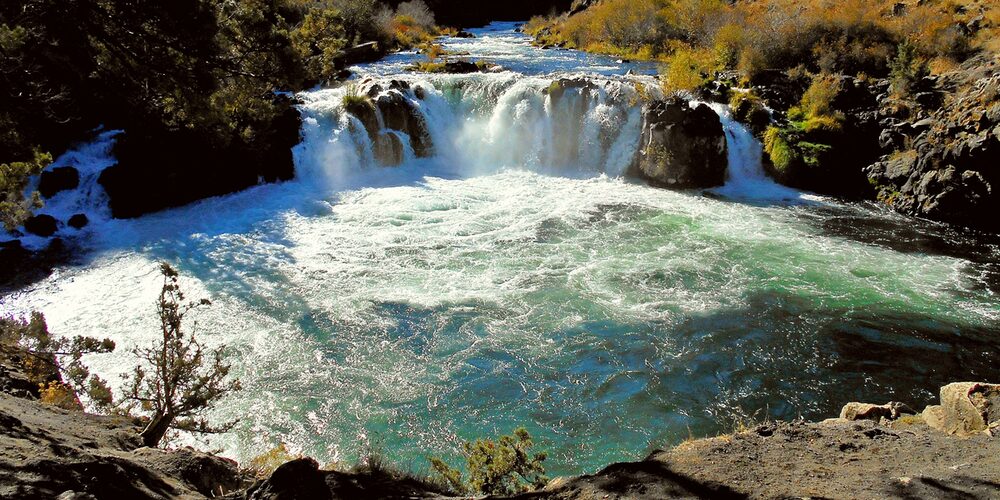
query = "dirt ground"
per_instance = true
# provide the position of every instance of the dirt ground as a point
(834, 459)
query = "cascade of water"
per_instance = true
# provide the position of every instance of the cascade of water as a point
(88, 198)
(483, 123)
(746, 178)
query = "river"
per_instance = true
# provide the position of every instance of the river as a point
(514, 278)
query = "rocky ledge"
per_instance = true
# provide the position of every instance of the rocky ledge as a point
(949, 450)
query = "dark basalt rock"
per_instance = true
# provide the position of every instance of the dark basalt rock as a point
(949, 173)
(464, 34)
(389, 149)
(42, 225)
(461, 67)
(57, 180)
(682, 147)
(398, 113)
(298, 479)
(159, 169)
(366, 113)
(78, 221)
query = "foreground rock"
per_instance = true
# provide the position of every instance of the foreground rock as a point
(837, 459)
(303, 479)
(682, 147)
(46, 452)
(966, 409)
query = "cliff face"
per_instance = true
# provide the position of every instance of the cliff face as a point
(947, 167)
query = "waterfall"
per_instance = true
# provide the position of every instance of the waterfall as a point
(481, 123)
(746, 179)
(87, 199)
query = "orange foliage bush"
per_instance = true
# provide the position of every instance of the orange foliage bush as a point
(843, 36)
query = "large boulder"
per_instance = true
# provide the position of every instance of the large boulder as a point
(293, 480)
(399, 113)
(966, 408)
(163, 168)
(57, 180)
(682, 147)
(42, 225)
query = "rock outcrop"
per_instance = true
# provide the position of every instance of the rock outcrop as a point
(46, 452)
(398, 113)
(682, 147)
(160, 169)
(967, 408)
(57, 180)
(302, 478)
(947, 169)
(387, 112)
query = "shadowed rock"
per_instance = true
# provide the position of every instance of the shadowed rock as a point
(682, 147)
(54, 181)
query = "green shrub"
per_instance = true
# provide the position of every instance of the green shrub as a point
(689, 69)
(354, 99)
(815, 110)
(15, 208)
(906, 69)
(779, 150)
(501, 467)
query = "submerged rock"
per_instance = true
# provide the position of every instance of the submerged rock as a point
(54, 181)
(681, 147)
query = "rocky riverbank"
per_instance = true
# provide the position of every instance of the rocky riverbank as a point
(951, 449)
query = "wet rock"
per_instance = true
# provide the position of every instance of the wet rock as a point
(464, 34)
(681, 147)
(461, 67)
(966, 408)
(42, 225)
(365, 112)
(558, 88)
(57, 180)
(865, 411)
(78, 221)
(389, 150)
(398, 113)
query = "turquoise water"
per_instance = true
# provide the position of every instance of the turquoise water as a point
(484, 288)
